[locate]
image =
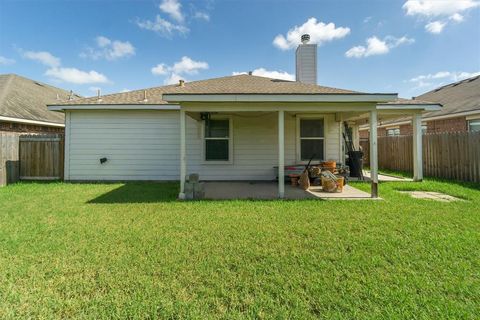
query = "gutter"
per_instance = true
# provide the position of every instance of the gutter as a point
(115, 107)
(35, 122)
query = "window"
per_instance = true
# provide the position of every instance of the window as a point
(474, 125)
(393, 132)
(217, 140)
(312, 139)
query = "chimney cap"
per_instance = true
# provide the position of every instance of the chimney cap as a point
(305, 38)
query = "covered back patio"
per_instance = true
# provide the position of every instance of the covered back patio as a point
(334, 115)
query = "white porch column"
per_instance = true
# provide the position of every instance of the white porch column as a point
(417, 147)
(183, 157)
(281, 154)
(373, 153)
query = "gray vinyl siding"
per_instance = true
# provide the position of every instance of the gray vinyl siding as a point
(139, 145)
(145, 145)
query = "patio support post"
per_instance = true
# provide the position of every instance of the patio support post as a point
(373, 153)
(417, 147)
(183, 157)
(281, 154)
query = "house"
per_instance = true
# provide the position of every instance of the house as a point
(23, 105)
(460, 112)
(229, 128)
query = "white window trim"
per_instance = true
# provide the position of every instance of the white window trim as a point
(393, 135)
(230, 140)
(298, 150)
(468, 123)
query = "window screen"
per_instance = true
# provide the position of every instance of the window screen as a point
(217, 140)
(393, 132)
(474, 125)
(312, 139)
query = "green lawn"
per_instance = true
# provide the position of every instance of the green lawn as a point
(133, 251)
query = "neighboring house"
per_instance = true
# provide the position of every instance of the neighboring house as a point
(460, 112)
(23, 105)
(229, 128)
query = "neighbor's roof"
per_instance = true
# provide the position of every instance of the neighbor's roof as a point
(402, 101)
(239, 84)
(461, 96)
(457, 97)
(27, 99)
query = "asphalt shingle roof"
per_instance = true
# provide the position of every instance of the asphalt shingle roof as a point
(239, 84)
(27, 99)
(456, 97)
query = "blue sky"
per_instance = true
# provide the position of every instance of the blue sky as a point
(404, 46)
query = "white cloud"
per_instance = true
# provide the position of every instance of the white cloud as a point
(376, 46)
(125, 90)
(162, 26)
(177, 71)
(173, 9)
(6, 61)
(262, 72)
(173, 78)
(202, 16)
(457, 17)
(443, 10)
(73, 75)
(109, 49)
(189, 66)
(160, 69)
(319, 33)
(435, 27)
(435, 8)
(438, 79)
(367, 19)
(43, 57)
(444, 75)
(103, 42)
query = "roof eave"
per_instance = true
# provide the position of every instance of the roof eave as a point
(32, 122)
(139, 106)
(421, 107)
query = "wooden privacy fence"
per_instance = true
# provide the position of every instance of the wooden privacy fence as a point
(41, 157)
(9, 164)
(453, 156)
(31, 157)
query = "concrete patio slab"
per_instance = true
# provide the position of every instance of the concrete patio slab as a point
(437, 196)
(387, 178)
(269, 190)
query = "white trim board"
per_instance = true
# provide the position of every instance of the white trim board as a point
(425, 107)
(35, 122)
(280, 97)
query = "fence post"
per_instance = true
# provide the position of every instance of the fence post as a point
(417, 147)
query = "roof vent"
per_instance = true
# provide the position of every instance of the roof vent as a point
(181, 83)
(58, 97)
(99, 98)
(250, 73)
(145, 96)
(305, 38)
(70, 95)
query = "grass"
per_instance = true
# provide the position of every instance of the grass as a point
(132, 251)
